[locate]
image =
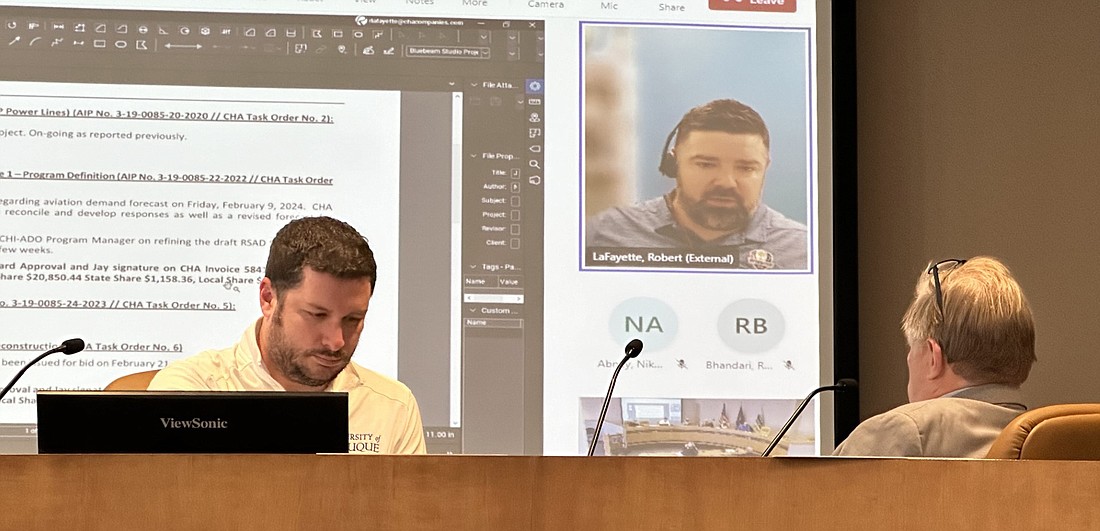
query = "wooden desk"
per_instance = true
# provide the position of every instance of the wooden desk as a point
(524, 492)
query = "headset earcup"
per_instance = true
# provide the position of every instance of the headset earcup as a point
(668, 156)
(668, 164)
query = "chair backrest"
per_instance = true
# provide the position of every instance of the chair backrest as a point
(139, 381)
(1062, 431)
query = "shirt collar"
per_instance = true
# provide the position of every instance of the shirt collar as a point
(994, 393)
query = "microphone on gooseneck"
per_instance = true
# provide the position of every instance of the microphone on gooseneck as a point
(842, 384)
(71, 346)
(633, 348)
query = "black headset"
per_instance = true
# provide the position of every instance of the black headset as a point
(667, 167)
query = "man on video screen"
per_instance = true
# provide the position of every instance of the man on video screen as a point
(719, 155)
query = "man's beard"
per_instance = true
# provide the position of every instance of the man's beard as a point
(289, 361)
(732, 218)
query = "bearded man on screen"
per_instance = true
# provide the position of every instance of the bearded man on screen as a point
(718, 154)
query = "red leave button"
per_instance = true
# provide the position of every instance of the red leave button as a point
(777, 6)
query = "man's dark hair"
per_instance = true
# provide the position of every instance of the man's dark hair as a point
(727, 116)
(323, 244)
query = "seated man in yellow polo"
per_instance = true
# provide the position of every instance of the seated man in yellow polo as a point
(314, 297)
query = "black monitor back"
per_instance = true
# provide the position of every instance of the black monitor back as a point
(192, 422)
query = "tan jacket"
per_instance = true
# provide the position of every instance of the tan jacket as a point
(962, 425)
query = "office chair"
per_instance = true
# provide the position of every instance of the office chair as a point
(139, 381)
(1061, 431)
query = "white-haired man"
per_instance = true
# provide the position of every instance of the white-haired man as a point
(971, 344)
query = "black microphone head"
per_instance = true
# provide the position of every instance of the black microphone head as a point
(634, 348)
(72, 346)
(847, 383)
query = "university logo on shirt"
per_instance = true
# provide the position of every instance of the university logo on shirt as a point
(362, 443)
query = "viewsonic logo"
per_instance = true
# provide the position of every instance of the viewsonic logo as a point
(194, 424)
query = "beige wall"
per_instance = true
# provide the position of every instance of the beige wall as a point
(979, 133)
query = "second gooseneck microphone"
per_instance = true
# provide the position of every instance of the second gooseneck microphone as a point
(842, 384)
(633, 348)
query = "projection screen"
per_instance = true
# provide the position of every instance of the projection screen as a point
(504, 159)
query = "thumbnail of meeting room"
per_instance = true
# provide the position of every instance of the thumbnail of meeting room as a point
(570, 264)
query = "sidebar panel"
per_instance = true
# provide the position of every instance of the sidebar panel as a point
(502, 263)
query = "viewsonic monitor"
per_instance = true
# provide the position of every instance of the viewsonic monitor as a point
(192, 422)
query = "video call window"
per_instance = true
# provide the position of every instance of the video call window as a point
(713, 170)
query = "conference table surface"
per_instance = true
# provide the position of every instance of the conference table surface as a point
(533, 492)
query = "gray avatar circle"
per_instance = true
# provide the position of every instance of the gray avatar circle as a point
(751, 326)
(651, 320)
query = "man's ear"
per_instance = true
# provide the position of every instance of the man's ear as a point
(937, 361)
(268, 297)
